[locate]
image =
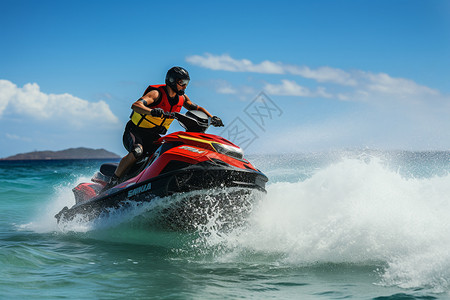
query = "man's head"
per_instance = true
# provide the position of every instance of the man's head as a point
(177, 79)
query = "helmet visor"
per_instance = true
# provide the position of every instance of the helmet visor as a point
(183, 82)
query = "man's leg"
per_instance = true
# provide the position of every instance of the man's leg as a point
(126, 162)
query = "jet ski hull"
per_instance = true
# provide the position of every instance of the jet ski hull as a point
(194, 178)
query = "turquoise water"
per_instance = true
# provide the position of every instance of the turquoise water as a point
(360, 225)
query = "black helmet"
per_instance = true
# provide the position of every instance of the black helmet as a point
(174, 75)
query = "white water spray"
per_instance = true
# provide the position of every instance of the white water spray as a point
(356, 211)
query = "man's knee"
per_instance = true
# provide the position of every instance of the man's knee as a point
(137, 151)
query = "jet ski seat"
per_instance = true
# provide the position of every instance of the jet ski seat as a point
(108, 169)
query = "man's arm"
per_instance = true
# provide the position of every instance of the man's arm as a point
(215, 121)
(189, 105)
(141, 105)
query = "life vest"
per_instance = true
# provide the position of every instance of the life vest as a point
(168, 105)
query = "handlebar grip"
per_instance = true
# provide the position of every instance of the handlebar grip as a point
(169, 115)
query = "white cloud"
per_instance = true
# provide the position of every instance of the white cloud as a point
(15, 137)
(324, 74)
(63, 109)
(382, 89)
(224, 87)
(226, 90)
(387, 112)
(372, 88)
(349, 86)
(291, 88)
(225, 62)
(7, 92)
(383, 83)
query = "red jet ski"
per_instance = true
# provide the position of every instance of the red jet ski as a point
(184, 162)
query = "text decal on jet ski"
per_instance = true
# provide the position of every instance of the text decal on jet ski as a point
(192, 149)
(141, 189)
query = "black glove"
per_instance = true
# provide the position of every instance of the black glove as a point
(216, 122)
(157, 112)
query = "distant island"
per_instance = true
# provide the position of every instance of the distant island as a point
(72, 153)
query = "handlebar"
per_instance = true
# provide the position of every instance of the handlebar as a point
(193, 121)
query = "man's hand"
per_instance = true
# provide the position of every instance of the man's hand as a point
(216, 122)
(157, 112)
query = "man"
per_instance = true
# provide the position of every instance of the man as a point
(148, 123)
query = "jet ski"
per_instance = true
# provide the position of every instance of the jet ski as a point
(185, 161)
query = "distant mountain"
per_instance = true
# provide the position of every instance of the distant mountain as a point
(72, 153)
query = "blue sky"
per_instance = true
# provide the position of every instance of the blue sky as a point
(337, 74)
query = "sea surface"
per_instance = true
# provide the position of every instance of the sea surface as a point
(336, 225)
